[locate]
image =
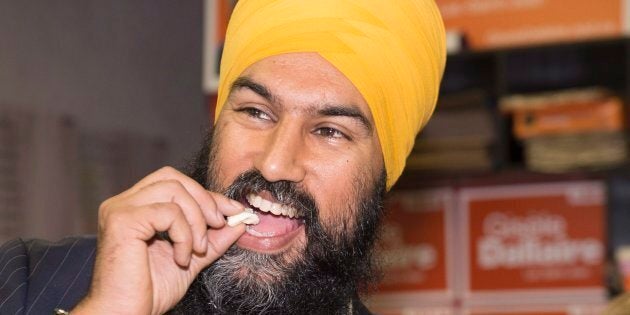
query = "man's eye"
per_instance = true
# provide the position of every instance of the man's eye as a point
(255, 113)
(331, 133)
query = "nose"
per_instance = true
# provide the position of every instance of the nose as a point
(281, 156)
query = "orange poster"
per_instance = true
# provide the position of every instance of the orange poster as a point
(417, 311)
(500, 23)
(414, 243)
(545, 238)
(570, 309)
(504, 312)
(415, 250)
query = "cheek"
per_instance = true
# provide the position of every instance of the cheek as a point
(337, 194)
(342, 184)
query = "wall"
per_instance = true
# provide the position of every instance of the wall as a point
(114, 65)
(117, 67)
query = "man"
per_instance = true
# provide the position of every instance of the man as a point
(319, 104)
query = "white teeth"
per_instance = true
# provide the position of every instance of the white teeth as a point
(265, 205)
(257, 201)
(276, 209)
(268, 206)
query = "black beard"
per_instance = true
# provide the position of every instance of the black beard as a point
(323, 277)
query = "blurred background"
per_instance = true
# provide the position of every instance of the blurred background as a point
(94, 95)
(516, 196)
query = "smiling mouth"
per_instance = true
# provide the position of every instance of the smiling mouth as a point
(276, 219)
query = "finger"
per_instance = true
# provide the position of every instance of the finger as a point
(209, 202)
(169, 217)
(225, 205)
(174, 191)
(220, 240)
(218, 207)
(218, 243)
(163, 173)
(214, 205)
(169, 173)
(212, 214)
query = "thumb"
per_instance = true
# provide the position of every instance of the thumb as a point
(219, 240)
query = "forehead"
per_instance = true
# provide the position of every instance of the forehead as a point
(306, 78)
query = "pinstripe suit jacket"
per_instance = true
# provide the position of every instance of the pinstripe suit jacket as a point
(38, 276)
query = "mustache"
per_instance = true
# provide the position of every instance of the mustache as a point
(285, 192)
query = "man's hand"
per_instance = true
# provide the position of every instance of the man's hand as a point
(134, 272)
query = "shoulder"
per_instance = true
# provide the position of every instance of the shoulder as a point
(13, 274)
(40, 275)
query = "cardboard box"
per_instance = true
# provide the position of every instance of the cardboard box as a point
(606, 115)
(564, 112)
(501, 23)
(575, 309)
(416, 250)
(417, 311)
(538, 243)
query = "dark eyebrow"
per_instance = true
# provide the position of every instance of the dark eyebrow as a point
(347, 111)
(247, 83)
(351, 111)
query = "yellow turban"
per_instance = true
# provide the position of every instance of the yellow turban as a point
(393, 51)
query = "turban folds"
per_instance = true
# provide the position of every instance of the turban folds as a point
(393, 51)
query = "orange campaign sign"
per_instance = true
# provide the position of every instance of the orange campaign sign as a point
(500, 23)
(415, 251)
(419, 311)
(569, 309)
(545, 238)
(502, 312)
(414, 246)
